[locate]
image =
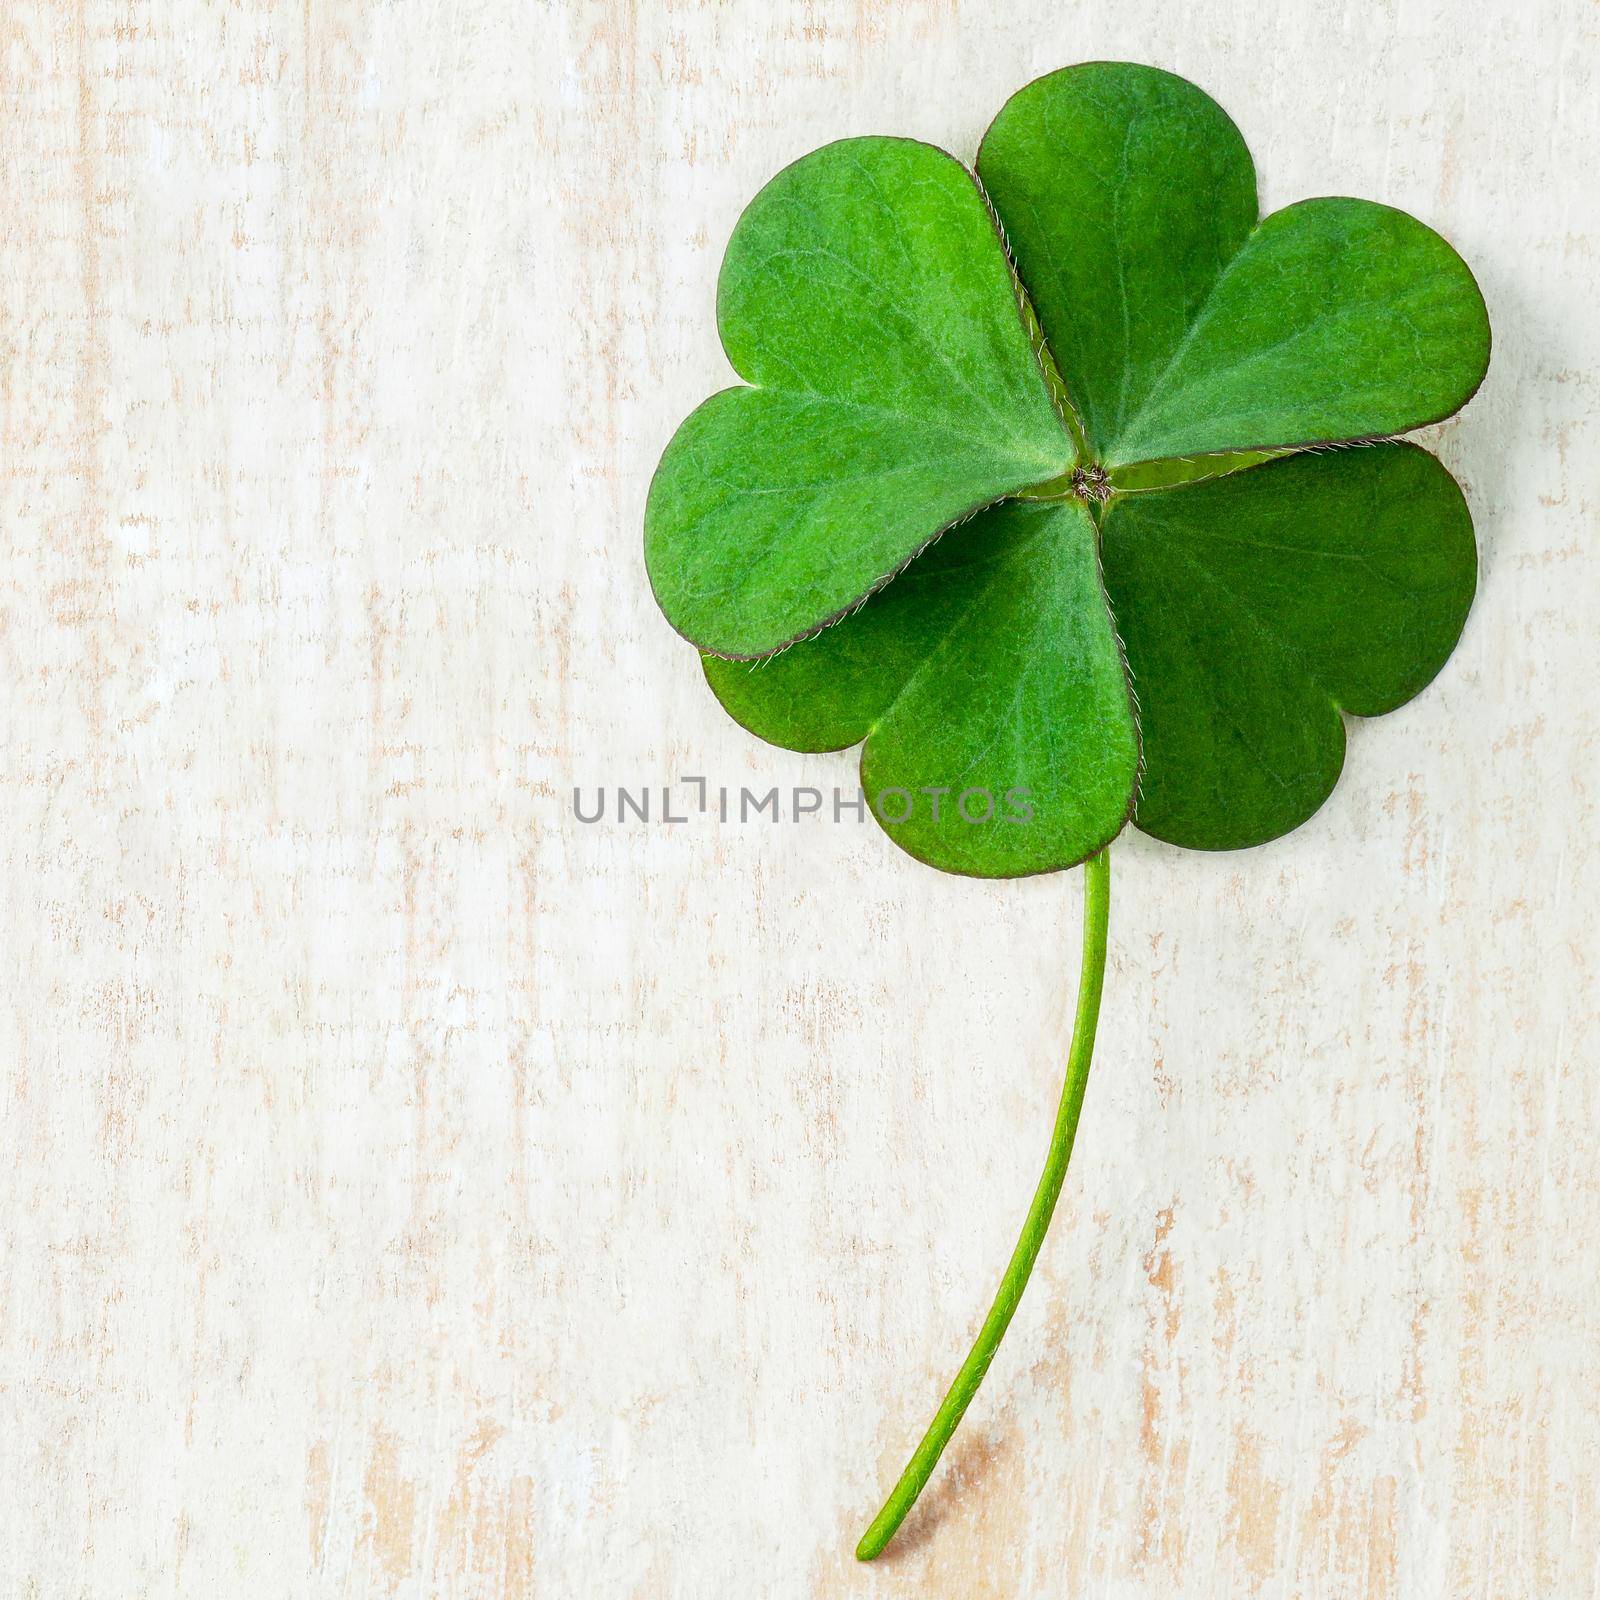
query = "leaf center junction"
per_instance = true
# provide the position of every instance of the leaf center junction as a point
(1091, 483)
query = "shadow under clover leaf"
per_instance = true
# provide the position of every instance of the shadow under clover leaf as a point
(1157, 434)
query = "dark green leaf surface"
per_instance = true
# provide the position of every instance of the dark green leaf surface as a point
(1256, 606)
(1124, 192)
(988, 668)
(1180, 325)
(866, 293)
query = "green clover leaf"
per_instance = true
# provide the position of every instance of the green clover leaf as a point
(866, 294)
(988, 670)
(1170, 580)
(1183, 325)
(901, 385)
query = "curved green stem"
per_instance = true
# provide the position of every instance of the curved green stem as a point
(1091, 979)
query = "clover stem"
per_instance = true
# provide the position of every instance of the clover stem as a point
(1091, 979)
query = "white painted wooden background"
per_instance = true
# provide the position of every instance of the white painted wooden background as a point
(406, 1190)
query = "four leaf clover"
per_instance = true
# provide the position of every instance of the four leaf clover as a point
(1038, 489)
(1115, 392)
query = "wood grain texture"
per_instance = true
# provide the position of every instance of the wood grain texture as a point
(407, 1190)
